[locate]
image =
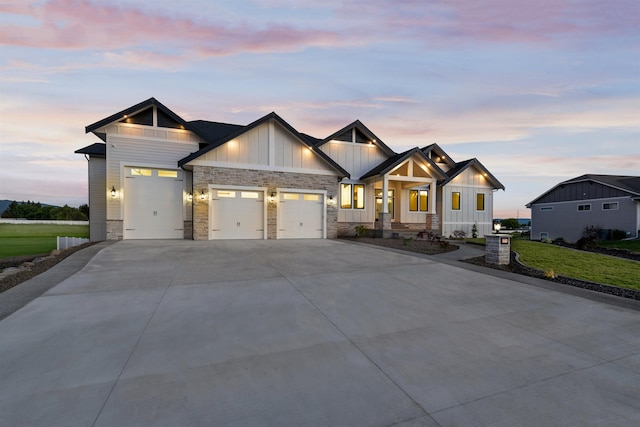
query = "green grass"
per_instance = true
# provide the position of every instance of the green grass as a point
(579, 265)
(35, 239)
(630, 245)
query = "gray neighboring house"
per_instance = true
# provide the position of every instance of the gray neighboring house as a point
(611, 202)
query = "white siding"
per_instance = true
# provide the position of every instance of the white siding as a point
(469, 183)
(124, 149)
(255, 150)
(355, 158)
(359, 215)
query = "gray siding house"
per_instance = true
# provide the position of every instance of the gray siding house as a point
(611, 202)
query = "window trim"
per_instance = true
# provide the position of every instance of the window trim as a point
(612, 208)
(353, 200)
(453, 200)
(419, 207)
(546, 208)
(583, 205)
(484, 205)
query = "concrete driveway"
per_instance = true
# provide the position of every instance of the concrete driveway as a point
(317, 332)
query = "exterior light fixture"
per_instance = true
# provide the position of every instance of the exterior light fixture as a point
(202, 195)
(190, 196)
(330, 200)
(272, 197)
(113, 191)
(497, 227)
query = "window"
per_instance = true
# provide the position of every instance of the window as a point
(480, 201)
(249, 195)
(584, 208)
(226, 194)
(352, 196)
(290, 196)
(613, 206)
(546, 208)
(311, 198)
(140, 172)
(455, 201)
(167, 174)
(418, 200)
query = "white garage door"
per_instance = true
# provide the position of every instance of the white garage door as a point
(237, 214)
(153, 204)
(301, 216)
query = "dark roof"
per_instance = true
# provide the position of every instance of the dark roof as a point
(365, 130)
(305, 139)
(98, 149)
(622, 182)
(630, 184)
(439, 152)
(396, 159)
(212, 131)
(134, 109)
(466, 164)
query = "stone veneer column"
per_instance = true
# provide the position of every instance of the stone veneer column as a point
(384, 225)
(498, 249)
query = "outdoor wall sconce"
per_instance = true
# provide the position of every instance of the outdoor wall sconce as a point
(113, 191)
(272, 197)
(330, 200)
(202, 195)
(190, 196)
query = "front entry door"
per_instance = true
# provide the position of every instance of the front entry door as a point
(391, 196)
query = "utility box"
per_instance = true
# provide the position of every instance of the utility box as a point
(498, 249)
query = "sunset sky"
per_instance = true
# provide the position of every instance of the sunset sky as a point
(539, 91)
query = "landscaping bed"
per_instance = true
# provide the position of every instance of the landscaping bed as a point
(414, 245)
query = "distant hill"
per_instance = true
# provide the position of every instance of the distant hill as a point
(4, 204)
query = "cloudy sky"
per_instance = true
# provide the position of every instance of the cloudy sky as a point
(539, 91)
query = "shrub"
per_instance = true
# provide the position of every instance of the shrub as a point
(459, 234)
(474, 231)
(432, 238)
(589, 237)
(618, 234)
(361, 230)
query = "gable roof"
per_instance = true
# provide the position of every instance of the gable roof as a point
(212, 131)
(358, 125)
(629, 184)
(464, 165)
(132, 110)
(435, 148)
(239, 130)
(393, 161)
(97, 149)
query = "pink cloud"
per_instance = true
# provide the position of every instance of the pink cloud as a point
(79, 24)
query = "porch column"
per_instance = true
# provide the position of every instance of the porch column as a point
(384, 219)
(432, 196)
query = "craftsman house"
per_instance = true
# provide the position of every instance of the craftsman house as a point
(157, 176)
(609, 202)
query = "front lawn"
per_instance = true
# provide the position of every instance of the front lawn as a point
(35, 239)
(587, 266)
(630, 245)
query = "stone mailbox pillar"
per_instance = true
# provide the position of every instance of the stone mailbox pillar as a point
(498, 249)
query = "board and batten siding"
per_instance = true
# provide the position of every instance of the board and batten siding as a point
(366, 215)
(563, 220)
(266, 147)
(97, 198)
(135, 145)
(468, 183)
(357, 158)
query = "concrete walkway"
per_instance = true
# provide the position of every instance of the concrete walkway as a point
(316, 332)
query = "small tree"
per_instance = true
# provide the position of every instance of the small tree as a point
(589, 239)
(474, 231)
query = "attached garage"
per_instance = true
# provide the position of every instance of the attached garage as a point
(153, 203)
(237, 213)
(301, 215)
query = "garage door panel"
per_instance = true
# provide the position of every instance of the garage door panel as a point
(301, 216)
(237, 214)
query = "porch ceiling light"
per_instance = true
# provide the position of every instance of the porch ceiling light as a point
(113, 191)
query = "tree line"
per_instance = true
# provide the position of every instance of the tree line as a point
(36, 210)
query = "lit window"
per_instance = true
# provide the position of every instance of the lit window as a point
(311, 197)
(584, 208)
(455, 201)
(249, 195)
(226, 194)
(167, 174)
(140, 172)
(418, 200)
(290, 196)
(352, 196)
(480, 201)
(613, 206)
